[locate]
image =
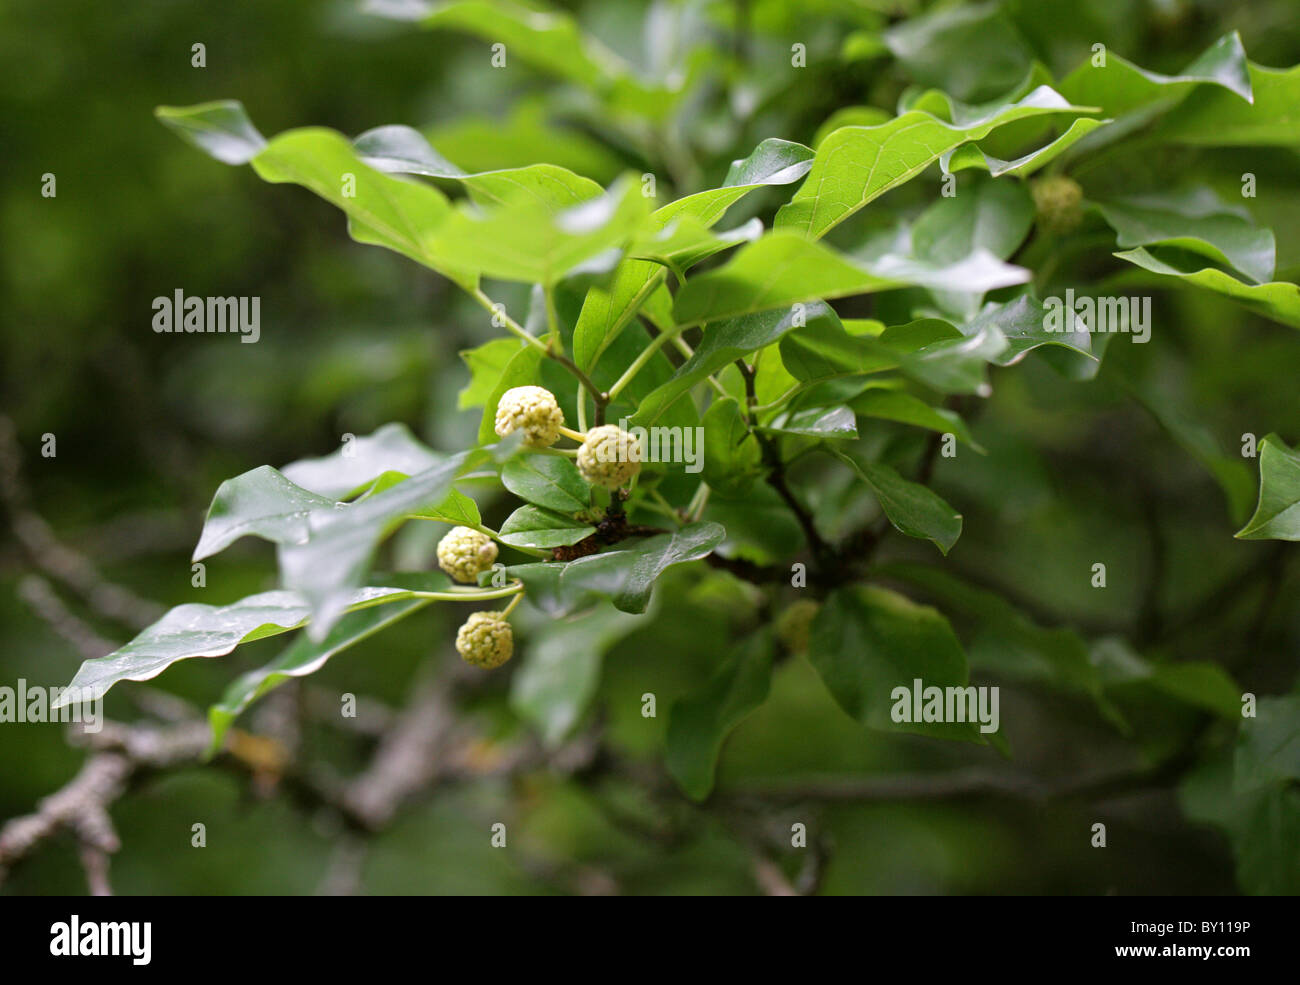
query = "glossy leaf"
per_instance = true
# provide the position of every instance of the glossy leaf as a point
(912, 508)
(722, 344)
(1276, 300)
(392, 448)
(608, 309)
(546, 480)
(1218, 118)
(732, 458)
(855, 165)
(220, 129)
(531, 526)
(305, 657)
(625, 576)
(196, 630)
(336, 555)
(263, 503)
(815, 422)
(528, 241)
(1119, 86)
(399, 149)
(1195, 221)
(1277, 517)
(895, 405)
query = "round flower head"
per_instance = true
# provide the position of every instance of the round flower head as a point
(485, 640)
(532, 408)
(794, 625)
(609, 456)
(1057, 200)
(465, 553)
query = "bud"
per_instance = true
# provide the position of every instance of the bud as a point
(485, 640)
(609, 456)
(465, 553)
(532, 408)
(794, 624)
(1057, 200)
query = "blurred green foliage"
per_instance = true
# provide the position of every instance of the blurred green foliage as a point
(148, 425)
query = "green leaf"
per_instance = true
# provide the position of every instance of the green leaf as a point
(560, 673)
(399, 149)
(778, 270)
(220, 129)
(528, 241)
(895, 405)
(523, 369)
(1263, 826)
(850, 116)
(973, 155)
(392, 448)
(1201, 684)
(550, 41)
(336, 555)
(855, 165)
(1217, 118)
(685, 242)
(529, 133)
(912, 508)
(1120, 87)
(823, 350)
(1277, 300)
(608, 308)
(993, 215)
(304, 657)
(382, 210)
(973, 52)
(1005, 641)
(1268, 745)
(955, 365)
(1198, 683)
(530, 526)
(815, 422)
(867, 641)
(783, 269)
(724, 343)
(195, 630)
(1025, 324)
(625, 577)
(1277, 517)
(732, 457)
(1195, 221)
(699, 725)
(457, 508)
(263, 503)
(547, 480)
(486, 364)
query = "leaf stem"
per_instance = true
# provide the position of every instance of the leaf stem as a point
(472, 595)
(639, 362)
(682, 346)
(601, 398)
(695, 509)
(577, 436)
